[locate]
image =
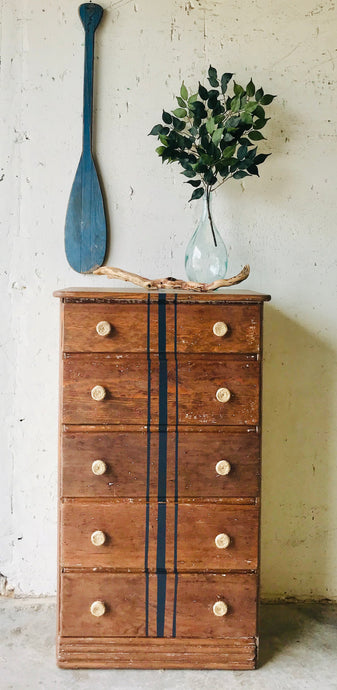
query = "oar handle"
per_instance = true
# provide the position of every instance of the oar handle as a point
(91, 15)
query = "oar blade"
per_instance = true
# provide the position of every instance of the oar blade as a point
(85, 227)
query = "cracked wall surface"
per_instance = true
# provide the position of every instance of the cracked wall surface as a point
(283, 224)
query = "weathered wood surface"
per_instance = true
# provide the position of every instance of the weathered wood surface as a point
(125, 379)
(170, 653)
(123, 525)
(167, 283)
(125, 455)
(124, 596)
(84, 294)
(199, 502)
(129, 328)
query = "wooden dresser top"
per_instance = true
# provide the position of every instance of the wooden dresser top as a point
(141, 295)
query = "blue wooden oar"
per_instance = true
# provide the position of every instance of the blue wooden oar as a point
(85, 228)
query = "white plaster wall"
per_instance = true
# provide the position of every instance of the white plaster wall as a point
(284, 225)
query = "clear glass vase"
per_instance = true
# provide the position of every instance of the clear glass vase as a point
(206, 254)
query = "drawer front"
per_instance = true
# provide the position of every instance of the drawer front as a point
(197, 534)
(124, 329)
(188, 389)
(125, 457)
(125, 382)
(238, 328)
(216, 537)
(200, 380)
(131, 605)
(134, 328)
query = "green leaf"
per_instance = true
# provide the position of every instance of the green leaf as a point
(203, 93)
(193, 131)
(179, 125)
(235, 104)
(252, 153)
(217, 135)
(259, 112)
(256, 136)
(247, 118)
(198, 108)
(206, 159)
(197, 194)
(181, 102)
(228, 151)
(223, 170)
(240, 174)
(156, 130)
(238, 90)
(180, 112)
(184, 92)
(233, 166)
(244, 141)
(194, 183)
(260, 123)
(160, 150)
(213, 76)
(166, 117)
(253, 170)
(266, 99)
(261, 158)
(210, 178)
(250, 88)
(232, 122)
(200, 167)
(192, 98)
(189, 173)
(258, 95)
(251, 106)
(224, 81)
(210, 125)
(242, 152)
(163, 139)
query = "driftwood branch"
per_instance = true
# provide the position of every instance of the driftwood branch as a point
(165, 283)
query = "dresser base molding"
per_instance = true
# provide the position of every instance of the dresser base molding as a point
(153, 653)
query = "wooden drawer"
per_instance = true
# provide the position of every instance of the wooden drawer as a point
(188, 389)
(134, 328)
(131, 605)
(193, 534)
(128, 323)
(126, 455)
(195, 324)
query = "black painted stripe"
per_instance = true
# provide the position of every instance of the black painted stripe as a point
(148, 466)
(176, 476)
(162, 468)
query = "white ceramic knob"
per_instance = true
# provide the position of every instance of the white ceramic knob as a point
(223, 467)
(222, 541)
(220, 328)
(97, 608)
(97, 538)
(98, 393)
(223, 395)
(103, 328)
(220, 608)
(98, 467)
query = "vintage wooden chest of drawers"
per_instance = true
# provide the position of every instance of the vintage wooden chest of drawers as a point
(160, 427)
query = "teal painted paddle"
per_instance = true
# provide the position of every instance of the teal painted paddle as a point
(85, 227)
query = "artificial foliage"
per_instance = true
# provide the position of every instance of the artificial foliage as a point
(214, 133)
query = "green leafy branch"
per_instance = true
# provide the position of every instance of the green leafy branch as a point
(213, 134)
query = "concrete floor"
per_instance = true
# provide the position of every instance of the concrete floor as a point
(298, 650)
